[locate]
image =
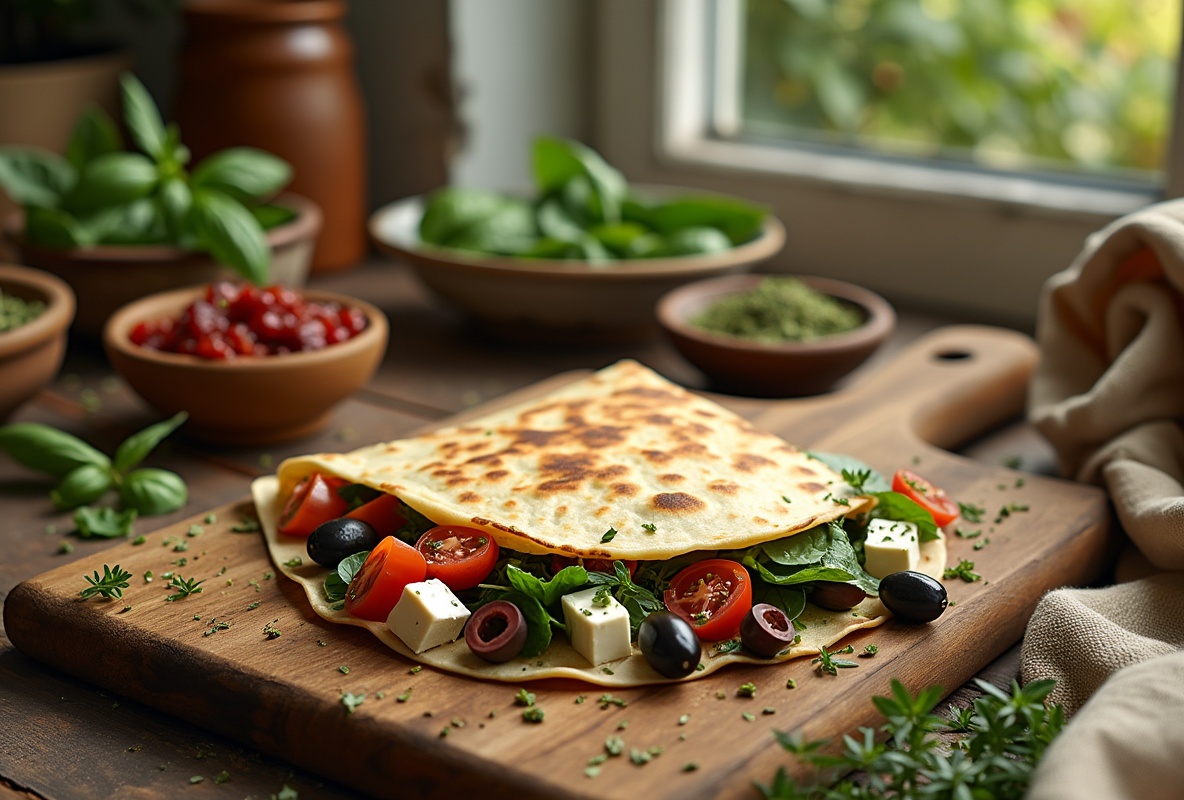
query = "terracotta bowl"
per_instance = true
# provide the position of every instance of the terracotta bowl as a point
(553, 300)
(252, 400)
(791, 369)
(31, 354)
(105, 277)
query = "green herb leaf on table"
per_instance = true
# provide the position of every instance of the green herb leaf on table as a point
(47, 449)
(136, 447)
(153, 491)
(104, 522)
(82, 486)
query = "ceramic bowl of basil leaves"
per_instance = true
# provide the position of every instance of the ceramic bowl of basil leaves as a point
(585, 259)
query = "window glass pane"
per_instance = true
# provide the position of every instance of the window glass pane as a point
(1077, 86)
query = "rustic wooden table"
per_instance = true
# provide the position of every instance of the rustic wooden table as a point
(61, 738)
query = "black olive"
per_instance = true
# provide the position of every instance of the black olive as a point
(766, 631)
(835, 596)
(496, 632)
(669, 643)
(335, 540)
(913, 596)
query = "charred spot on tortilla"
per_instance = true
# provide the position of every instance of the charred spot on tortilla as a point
(677, 502)
(672, 477)
(723, 487)
(657, 456)
(469, 497)
(812, 487)
(496, 474)
(626, 489)
(749, 462)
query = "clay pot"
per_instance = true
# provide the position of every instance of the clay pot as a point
(105, 277)
(279, 76)
(30, 355)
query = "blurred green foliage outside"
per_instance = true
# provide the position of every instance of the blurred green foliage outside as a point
(1079, 85)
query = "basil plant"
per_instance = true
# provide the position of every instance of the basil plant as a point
(101, 193)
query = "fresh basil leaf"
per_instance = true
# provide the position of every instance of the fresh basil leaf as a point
(31, 176)
(243, 172)
(555, 223)
(895, 506)
(738, 220)
(136, 447)
(621, 238)
(176, 198)
(47, 449)
(337, 581)
(82, 486)
(693, 242)
(153, 491)
(808, 547)
(231, 234)
(94, 135)
(111, 180)
(790, 600)
(839, 462)
(451, 211)
(137, 222)
(794, 576)
(54, 228)
(547, 593)
(142, 116)
(559, 162)
(565, 581)
(509, 230)
(272, 216)
(104, 523)
(538, 623)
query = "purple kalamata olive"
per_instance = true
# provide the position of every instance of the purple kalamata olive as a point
(835, 596)
(496, 632)
(766, 631)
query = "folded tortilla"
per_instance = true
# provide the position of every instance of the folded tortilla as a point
(622, 450)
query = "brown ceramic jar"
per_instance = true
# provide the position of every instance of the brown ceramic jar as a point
(279, 76)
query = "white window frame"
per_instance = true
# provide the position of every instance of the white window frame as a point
(960, 240)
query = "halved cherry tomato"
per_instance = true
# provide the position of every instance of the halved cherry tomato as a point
(460, 557)
(926, 495)
(379, 584)
(591, 564)
(714, 596)
(384, 513)
(313, 501)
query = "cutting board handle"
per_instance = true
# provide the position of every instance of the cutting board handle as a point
(940, 391)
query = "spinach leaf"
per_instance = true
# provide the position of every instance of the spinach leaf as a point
(807, 547)
(547, 592)
(895, 506)
(839, 462)
(789, 599)
(538, 623)
(337, 582)
(738, 220)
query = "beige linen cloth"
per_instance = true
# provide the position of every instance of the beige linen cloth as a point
(1109, 396)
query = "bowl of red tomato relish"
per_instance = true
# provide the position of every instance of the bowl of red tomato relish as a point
(251, 365)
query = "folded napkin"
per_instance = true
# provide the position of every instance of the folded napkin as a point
(1108, 394)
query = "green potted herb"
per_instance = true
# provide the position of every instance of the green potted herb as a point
(120, 223)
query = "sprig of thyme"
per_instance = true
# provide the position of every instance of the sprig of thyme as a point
(1007, 733)
(828, 664)
(111, 584)
(184, 587)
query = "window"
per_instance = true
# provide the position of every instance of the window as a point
(975, 227)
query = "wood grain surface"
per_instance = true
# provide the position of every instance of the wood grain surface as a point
(209, 658)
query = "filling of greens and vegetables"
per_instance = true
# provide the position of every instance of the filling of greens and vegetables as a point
(787, 573)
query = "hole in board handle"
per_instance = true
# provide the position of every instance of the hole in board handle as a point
(953, 355)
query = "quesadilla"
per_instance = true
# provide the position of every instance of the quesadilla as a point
(622, 465)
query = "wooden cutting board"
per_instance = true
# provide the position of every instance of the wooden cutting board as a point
(247, 658)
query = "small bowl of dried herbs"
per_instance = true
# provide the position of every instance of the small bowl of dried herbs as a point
(36, 309)
(775, 335)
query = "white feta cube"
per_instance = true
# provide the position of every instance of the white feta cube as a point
(427, 615)
(598, 630)
(891, 546)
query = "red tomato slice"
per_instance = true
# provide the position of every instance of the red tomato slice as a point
(379, 584)
(714, 596)
(384, 513)
(926, 495)
(591, 564)
(313, 501)
(460, 557)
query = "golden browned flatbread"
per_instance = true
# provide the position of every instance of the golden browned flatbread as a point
(671, 472)
(624, 449)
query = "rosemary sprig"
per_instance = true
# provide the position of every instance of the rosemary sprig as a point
(111, 584)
